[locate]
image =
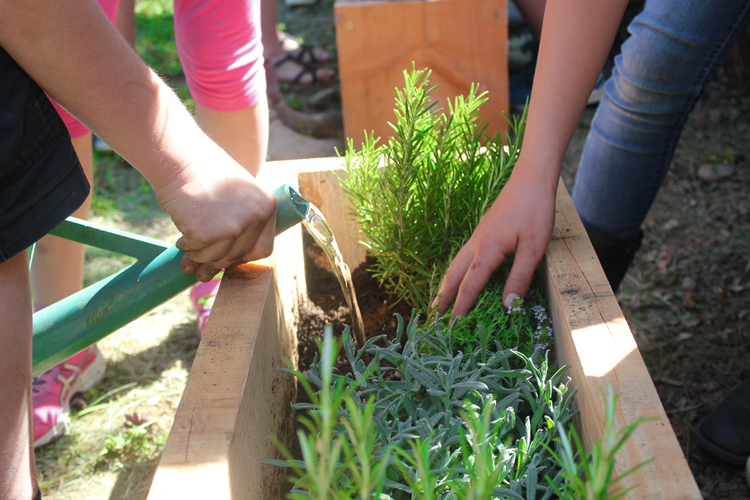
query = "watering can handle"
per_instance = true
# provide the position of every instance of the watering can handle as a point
(82, 319)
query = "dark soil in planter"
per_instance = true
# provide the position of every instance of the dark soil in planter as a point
(328, 306)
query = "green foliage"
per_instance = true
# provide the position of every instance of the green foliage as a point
(525, 326)
(134, 444)
(419, 422)
(419, 197)
(155, 41)
(592, 477)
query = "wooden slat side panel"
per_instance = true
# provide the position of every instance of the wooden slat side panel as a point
(593, 337)
(265, 411)
(466, 42)
(196, 461)
(376, 42)
(322, 189)
(461, 41)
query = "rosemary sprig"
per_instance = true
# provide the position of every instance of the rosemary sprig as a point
(419, 197)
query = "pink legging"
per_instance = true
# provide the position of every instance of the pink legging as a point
(220, 49)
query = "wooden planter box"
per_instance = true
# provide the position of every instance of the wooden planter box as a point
(235, 397)
(463, 42)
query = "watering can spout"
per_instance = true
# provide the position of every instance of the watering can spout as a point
(291, 207)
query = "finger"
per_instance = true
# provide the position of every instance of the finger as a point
(188, 266)
(474, 281)
(206, 272)
(214, 252)
(448, 288)
(520, 276)
(249, 247)
(200, 251)
(255, 243)
(187, 245)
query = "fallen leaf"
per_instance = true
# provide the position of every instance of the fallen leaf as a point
(736, 286)
(689, 284)
(134, 420)
(691, 323)
(671, 224)
(688, 302)
(709, 172)
(663, 261)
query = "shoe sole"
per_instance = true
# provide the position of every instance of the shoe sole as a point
(93, 374)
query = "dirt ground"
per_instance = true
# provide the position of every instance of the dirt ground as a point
(687, 295)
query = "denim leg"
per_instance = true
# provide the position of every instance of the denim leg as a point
(673, 52)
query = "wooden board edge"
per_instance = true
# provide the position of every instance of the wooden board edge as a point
(592, 336)
(218, 419)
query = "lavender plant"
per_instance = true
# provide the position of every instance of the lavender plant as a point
(443, 425)
(454, 428)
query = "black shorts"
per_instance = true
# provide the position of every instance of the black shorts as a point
(41, 179)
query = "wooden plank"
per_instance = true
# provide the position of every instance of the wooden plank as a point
(461, 41)
(322, 189)
(234, 400)
(592, 336)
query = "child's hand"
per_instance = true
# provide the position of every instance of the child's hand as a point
(224, 216)
(519, 222)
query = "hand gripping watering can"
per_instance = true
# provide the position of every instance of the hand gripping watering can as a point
(82, 319)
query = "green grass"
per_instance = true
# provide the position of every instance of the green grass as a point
(155, 36)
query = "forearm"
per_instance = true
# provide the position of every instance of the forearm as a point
(577, 36)
(78, 58)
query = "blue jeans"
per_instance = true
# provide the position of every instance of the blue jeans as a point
(673, 52)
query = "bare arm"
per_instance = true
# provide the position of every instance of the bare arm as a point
(77, 57)
(576, 38)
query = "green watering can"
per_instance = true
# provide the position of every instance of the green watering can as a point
(80, 320)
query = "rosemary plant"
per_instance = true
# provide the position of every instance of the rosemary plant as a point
(592, 477)
(419, 197)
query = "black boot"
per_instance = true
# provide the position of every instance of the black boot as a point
(615, 254)
(725, 432)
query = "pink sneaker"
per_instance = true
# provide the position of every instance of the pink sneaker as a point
(53, 390)
(203, 295)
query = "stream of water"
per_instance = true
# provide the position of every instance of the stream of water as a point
(321, 232)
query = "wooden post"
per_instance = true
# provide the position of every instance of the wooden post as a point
(234, 400)
(461, 41)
